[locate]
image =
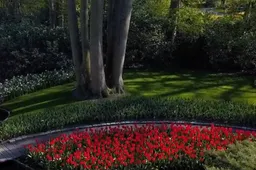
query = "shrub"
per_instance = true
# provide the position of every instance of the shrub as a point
(230, 45)
(241, 155)
(26, 48)
(21, 85)
(147, 44)
(192, 22)
(135, 147)
(129, 108)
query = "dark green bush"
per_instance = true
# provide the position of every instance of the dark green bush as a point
(203, 41)
(230, 45)
(27, 48)
(130, 108)
(147, 44)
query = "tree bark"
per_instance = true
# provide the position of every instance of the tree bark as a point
(98, 83)
(75, 46)
(124, 9)
(62, 13)
(52, 13)
(248, 11)
(85, 43)
(111, 29)
(174, 6)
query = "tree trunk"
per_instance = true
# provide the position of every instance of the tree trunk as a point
(85, 43)
(98, 83)
(175, 5)
(111, 30)
(52, 13)
(62, 13)
(223, 3)
(248, 11)
(76, 50)
(124, 9)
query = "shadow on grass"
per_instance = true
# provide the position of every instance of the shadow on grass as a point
(163, 84)
(213, 86)
(37, 101)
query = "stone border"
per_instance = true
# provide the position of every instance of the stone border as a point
(14, 148)
(194, 123)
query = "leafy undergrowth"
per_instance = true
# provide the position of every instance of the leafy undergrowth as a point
(137, 147)
(240, 156)
(127, 109)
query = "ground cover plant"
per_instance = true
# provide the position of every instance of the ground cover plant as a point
(136, 147)
(129, 108)
(20, 85)
(241, 155)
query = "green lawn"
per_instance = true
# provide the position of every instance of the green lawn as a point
(186, 84)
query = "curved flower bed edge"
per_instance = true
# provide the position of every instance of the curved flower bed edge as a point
(140, 146)
(73, 128)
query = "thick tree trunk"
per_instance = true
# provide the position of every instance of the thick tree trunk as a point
(175, 5)
(123, 23)
(75, 45)
(98, 83)
(85, 42)
(111, 30)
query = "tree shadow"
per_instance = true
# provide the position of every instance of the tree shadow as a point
(159, 84)
(223, 87)
(52, 97)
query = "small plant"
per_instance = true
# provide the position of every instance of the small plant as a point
(241, 155)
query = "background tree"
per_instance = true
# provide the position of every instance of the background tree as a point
(174, 7)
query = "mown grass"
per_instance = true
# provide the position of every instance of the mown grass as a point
(153, 84)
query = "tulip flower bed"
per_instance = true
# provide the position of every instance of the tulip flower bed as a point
(136, 147)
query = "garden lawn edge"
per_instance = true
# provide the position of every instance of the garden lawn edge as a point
(45, 136)
(81, 127)
(129, 109)
(209, 132)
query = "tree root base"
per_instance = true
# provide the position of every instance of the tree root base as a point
(82, 94)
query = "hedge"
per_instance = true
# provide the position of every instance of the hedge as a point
(129, 108)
